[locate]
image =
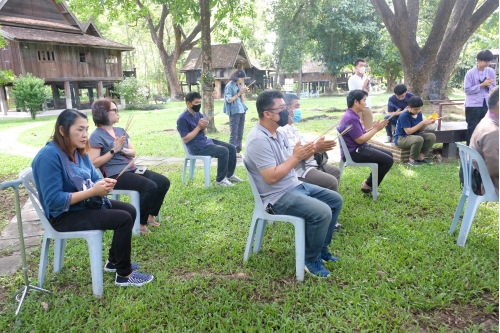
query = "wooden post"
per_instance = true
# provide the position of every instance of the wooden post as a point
(99, 90)
(55, 95)
(67, 93)
(76, 95)
(91, 95)
(3, 101)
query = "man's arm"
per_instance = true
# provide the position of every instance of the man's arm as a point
(419, 127)
(276, 173)
(377, 126)
(202, 125)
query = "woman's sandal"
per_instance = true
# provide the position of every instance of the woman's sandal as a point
(365, 190)
(144, 230)
(153, 223)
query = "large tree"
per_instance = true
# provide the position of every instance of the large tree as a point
(427, 68)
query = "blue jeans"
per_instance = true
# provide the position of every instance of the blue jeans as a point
(319, 207)
(392, 122)
(225, 153)
(236, 127)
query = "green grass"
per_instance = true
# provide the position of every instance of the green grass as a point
(400, 271)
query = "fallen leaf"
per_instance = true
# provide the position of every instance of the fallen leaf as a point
(124, 328)
(45, 306)
(381, 273)
(425, 186)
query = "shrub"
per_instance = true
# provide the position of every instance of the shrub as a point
(130, 90)
(145, 107)
(30, 94)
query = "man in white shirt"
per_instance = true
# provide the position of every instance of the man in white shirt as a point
(360, 81)
(326, 175)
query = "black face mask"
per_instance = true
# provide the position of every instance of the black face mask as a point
(196, 108)
(283, 118)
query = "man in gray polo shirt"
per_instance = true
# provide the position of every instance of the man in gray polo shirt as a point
(272, 169)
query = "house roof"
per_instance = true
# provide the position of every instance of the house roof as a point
(26, 22)
(55, 37)
(223, 56)
(256, 63)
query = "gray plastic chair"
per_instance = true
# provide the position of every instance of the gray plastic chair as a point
(260, 219)
(348, 161)
(134, 200)
(467, 156)
(93, 238)
(192, 163)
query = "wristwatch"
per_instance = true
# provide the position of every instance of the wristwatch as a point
(112, 152)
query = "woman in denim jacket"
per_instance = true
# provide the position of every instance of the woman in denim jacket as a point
(235, 108)
(68, 183)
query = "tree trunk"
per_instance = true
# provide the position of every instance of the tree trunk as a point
(299, 81)
(390, 81)
(169, 63)
(206, 56)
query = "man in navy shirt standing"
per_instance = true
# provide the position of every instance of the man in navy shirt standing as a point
(192, 128)
(395, 106)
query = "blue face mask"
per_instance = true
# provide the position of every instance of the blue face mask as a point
(297, 115)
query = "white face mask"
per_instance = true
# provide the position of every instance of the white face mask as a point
(362, 70)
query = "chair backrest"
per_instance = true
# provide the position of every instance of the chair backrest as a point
(186, 151)
(255, 192)
(26, 176)
(467, 158)
(343, 146)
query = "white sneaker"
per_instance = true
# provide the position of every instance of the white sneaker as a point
(224, 182)
(235, 179)
(388, 139)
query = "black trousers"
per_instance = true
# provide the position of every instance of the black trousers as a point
(225, 154)
(372, 154)
(473, 116)
(152, 188)
(120, 218)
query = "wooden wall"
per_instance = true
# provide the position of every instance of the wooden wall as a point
(66, 64)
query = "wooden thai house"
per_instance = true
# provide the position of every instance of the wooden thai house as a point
(47, 40)
(225, 59)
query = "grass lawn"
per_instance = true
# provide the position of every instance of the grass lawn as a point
(400, 271)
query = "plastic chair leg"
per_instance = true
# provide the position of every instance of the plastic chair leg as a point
(44, 256)
(250, 238)
(341, 168)
(300, 250)
(375, 182)
(458, 211)
(95, 254)
(184, 170)
(259, 235)
(59, 248)
(206, 171)
(470, 212)
(135, 201)
(192, 165)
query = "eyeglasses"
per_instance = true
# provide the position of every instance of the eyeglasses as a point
(281, 108)
(114, 110)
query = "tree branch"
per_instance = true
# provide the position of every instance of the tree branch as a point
(438, 30)
(481, 14)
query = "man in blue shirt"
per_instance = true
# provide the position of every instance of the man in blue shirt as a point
(395, 106)
(192, 128)
(409, 133)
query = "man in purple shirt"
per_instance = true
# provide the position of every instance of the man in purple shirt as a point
(192, 128)
(356, 139)
(395, 106)
(477, 85)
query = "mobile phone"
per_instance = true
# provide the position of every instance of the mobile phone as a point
(141, 170)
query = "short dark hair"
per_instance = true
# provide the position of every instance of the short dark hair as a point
(355, 95)
(289, 98)
(100, 111)
(493, 98)
(66, 119)
(265, 101)
(400, 89)
(190, 97)
(357, 61)
(485, 55)
(237, 74)
(415, 102)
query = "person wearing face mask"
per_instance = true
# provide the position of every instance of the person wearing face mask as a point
(235, 108)
(397, 104)
(327, 175)
(192, 128)
(272, 168)
(360, 81)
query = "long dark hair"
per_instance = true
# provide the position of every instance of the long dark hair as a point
(64, 121)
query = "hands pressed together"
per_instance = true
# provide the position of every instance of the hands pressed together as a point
(202, 124)
(304, 152)
(103, 187)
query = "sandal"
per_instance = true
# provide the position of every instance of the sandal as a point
(153, 223)
(365, 190)
(238, 155)
(144, 230)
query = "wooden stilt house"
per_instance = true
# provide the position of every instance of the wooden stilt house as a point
(47, 40)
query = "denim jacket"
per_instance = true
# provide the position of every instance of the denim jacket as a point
(237, 106)
(55, 188)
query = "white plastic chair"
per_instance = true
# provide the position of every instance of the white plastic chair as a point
(93, 238)
(260, 219)
(467, 156)
(134, 200)
(192, 163)
(348, 161)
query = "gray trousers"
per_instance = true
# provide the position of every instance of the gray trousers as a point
(418, 144)
(236, 126)
(328, 179)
